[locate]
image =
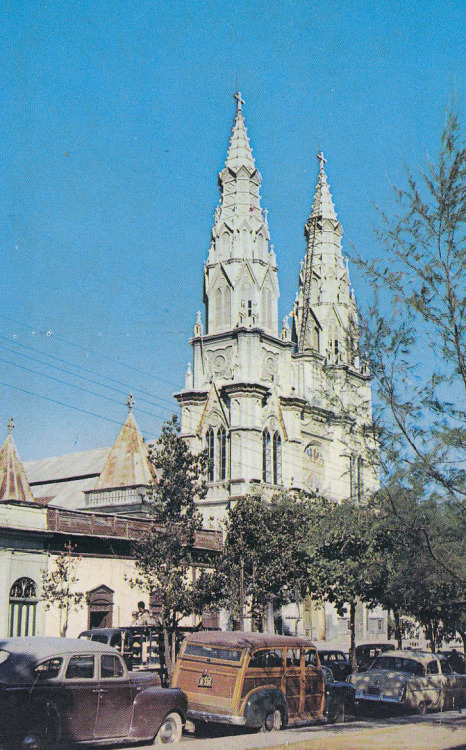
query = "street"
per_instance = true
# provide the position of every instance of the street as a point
(445, 731)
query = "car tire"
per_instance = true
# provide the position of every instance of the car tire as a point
(170, 730)
(43, 734)
(273, 721)
(421, 708)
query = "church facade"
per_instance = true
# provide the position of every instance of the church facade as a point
(277, 404)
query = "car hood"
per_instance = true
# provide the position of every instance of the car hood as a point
(145, 678)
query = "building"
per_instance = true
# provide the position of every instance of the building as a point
(276, 405)
(33, 533)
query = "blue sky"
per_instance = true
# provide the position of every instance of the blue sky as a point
(116, 118)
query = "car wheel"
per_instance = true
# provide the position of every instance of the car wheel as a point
(421, 708)
(273, 721)
(44, 734)
(170, 730)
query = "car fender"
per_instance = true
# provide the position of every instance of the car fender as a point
(261, 701)
(150, 708)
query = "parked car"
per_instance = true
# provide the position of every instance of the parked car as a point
(412, 680)
(367, 652)
(339, 698)
(66, 691)
(337, 662)
(455, 659)
(254, 680)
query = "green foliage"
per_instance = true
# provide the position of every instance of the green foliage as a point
(415, 333)
(58, 586)
(166, 555)
(265, 556)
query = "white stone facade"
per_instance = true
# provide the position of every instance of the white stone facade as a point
(276, 408)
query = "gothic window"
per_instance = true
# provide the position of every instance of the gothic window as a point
(222, 453)
(314, 468)
(360, 478)
(23, 608)
(277, 458)
(210, 441)
(249, 308)
(226, 244)
(315, 338)
(227, 307)
(218, 306)
(271, 457)
(216, 444)
(266, 458)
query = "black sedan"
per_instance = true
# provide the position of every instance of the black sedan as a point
(337, 662)
(59, 692)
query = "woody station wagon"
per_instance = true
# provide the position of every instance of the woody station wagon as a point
(255, 680)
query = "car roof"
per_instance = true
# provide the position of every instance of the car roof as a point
(240, 639)
(421, 656)
(39, 647)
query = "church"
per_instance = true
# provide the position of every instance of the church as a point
(277, 404)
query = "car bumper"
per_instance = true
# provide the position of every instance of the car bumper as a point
(360, 695)
(238, 721)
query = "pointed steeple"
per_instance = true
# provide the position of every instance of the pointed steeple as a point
(323, 205)
(14, 484)
(241, 271)
(324, 314)
(239, 150)
(127, 463)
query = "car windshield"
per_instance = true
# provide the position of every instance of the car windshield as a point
(398, 664)
(212, 652)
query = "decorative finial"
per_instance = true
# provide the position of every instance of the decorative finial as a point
(322, 160)
(11, 426)
(130, 402)
(239, 101)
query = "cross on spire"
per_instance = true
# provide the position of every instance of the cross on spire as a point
(130, 402)
(322, 160)
(239, 100)
(10, 425)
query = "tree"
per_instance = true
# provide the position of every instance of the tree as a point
(265, 556)
(165, 556)
(415, 335)
(58, 586)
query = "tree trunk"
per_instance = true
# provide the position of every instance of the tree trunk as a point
(398, 633)
(354, 664)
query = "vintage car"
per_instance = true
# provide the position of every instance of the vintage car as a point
(337, 662)
(413, 680)
(367, 652)
(254, 680)
(66, 691)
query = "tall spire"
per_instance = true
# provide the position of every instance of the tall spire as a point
(324, 314)
(13, 480)
(323, 204)
(240, 277)
(239, 150)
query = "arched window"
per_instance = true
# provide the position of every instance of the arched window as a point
(23, 606)
(266, 458)
(219, 306)
(226, 244)
(314, 468)
(277, 458)
(210, 444)
(315, 339)
(360, 478)
(222, 453)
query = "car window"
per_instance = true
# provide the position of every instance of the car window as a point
(111, 667)
(292, 657)
(48, 670)
(432, 667)
(115, 640)
(4, 655)
(445, 667)
(340, 657)
(266, 659)
(80, 668)
(310, 658)
(398, 664)
(212, 652)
